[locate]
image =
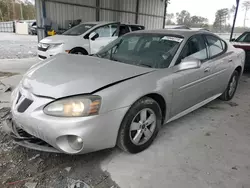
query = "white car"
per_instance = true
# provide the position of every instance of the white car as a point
(85, 38)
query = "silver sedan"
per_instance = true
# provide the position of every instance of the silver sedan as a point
(123, 94)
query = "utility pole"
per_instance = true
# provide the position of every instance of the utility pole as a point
(235, 16)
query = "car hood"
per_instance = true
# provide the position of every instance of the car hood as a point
(242, 45)
(58, 39)
(65, 75)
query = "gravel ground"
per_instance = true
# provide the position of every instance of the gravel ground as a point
(15, 46)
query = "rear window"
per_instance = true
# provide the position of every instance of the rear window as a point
(216, 45)
(137, 27)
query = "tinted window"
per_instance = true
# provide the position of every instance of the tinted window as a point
(79, 29)
(123, 30)
(215, 45)
(107, 30)
(156, 51)
(136, 27)
(245, 37)
(195, 48)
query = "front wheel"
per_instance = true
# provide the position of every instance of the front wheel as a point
(78, 51)
(231, 88)
(140, 126)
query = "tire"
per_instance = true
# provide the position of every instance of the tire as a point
(128, 139)
(78, 51)
(232, 84)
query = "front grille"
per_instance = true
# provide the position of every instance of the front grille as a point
(24, 105)
(42, 49)
(29, 138)
(42, 57)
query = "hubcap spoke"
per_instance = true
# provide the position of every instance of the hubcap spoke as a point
(138, 136)
(150, 120)
(135, 126)
(143, 115)
(232, 86)
(147, 133)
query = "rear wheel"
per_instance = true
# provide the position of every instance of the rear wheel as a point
(231, 88)
(140, 126)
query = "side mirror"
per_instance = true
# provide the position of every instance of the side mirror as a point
(93, 35)
(233, 39)
(188, 64)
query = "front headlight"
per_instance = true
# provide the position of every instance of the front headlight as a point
(78, 106)
(51, 46)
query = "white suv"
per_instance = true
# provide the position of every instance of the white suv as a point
(85, 38)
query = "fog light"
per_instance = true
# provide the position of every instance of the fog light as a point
(75, 142)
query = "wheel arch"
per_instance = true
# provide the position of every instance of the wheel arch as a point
(161, 102)
(155, 96)
(239, 69)
(79, 48)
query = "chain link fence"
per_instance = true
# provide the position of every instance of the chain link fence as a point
(7, 27)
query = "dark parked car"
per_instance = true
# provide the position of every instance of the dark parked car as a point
(243, 42)
(33, 28)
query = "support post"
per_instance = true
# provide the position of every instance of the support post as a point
(165, 13)
(137, 11)
(97, 10)
(40, 11)
(235, 16)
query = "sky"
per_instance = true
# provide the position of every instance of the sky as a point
(208, 8)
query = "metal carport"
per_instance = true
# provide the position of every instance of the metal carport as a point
(149, 13)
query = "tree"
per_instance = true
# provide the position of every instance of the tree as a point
(246, 7)
(169, 19)
(183, 18)
(198, 21)
(16, 9)
(221, 17)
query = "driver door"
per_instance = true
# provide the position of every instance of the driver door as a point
(106, 34)
(190, 85)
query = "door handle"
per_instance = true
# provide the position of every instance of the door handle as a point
(230, 60)
(207, 69)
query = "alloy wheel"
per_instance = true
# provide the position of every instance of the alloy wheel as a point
(232, 85)
(142, 126)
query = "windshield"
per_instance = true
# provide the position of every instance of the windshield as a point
(79, 29)
(148, 50)
(245, 37)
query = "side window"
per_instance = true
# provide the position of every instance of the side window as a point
(123, 30)
(136, 27)
(194, 48)
(107, 30)
(215, 45)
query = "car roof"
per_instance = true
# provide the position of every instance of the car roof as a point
(176, 27)
(186, 33)
(103, 22)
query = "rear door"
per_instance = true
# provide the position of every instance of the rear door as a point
(107, 33)
(217, 68)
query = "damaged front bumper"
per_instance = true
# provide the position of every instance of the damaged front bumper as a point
(22, 138)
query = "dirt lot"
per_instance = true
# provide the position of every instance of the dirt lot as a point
(17, 46)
